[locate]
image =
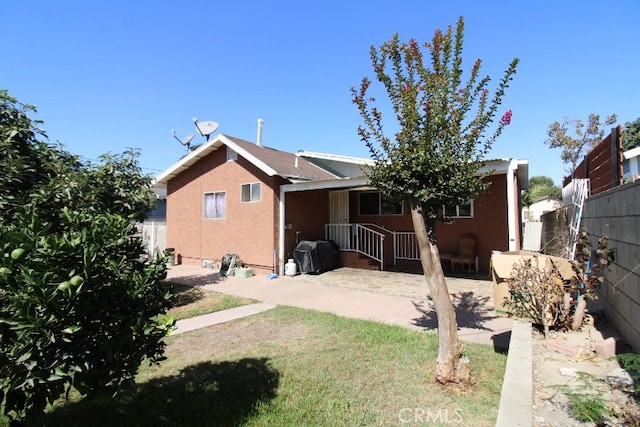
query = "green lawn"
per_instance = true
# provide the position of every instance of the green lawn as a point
(192, 301)
(294, 367)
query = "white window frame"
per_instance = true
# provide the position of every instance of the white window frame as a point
(379, 206)
(232, 156)
(251, 192)
(457, 212)
(204, 204)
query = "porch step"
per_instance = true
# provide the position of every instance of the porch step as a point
(356, 260)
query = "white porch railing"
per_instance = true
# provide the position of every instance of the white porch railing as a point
(362, 238)
(405, 246)
(357, 238)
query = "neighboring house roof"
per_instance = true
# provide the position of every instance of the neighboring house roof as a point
(271, 161)
(630, 154)
(548, 198)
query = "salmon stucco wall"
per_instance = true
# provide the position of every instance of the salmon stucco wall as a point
(248, 227)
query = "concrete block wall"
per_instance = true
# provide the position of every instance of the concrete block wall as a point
(616, 213)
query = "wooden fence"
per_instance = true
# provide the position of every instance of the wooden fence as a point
(154, 235)
(602, 165)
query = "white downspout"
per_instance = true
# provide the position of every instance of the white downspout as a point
(281, 207)
(511, 204)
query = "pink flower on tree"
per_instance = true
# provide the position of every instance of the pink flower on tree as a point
(506, 118)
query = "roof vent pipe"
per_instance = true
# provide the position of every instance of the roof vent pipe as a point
(259, 137)
(296, 162)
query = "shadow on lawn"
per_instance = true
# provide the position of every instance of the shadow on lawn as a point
(185, 295)
(211, 394)
(198, 279)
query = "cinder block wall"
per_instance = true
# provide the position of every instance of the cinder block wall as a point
(616, 213)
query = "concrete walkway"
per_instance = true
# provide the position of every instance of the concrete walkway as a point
(387, 297)
(186, 325)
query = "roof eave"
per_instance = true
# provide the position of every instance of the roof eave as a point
(186, 162)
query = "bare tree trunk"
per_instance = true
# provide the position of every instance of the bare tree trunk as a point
(451, 365)
(578, 316)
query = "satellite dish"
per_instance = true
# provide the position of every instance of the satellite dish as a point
(184, 141)
(205, 128)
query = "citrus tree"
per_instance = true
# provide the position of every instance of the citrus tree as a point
(435, 156)
(80, 306)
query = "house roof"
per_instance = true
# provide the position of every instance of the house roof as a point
(335, 157)
(297, 169)
(630, 154)
(501, 166)
(341, 166)
(271, 161)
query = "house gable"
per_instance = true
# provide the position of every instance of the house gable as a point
(247, 228)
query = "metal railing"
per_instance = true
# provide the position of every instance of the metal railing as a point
(405, 246)
(357, 238)
(362, 238)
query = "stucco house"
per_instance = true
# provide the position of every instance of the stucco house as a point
(631, 165)
(234, 196)
(545, 204)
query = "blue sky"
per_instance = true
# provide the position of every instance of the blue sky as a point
(107, 75)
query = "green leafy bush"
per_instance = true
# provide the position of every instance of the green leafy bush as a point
(80, 306)
(631, 362)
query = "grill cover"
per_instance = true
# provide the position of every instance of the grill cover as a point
(315, 256)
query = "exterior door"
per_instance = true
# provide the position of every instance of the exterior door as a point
(339, 207)
(338, 229)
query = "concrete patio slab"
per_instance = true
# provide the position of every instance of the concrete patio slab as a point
(387, 297)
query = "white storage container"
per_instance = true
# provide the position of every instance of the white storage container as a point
(290, 268)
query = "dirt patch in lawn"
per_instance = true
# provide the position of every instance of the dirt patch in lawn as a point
(605, 378)
(233, 337)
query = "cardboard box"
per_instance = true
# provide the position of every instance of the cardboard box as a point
(502, 266)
